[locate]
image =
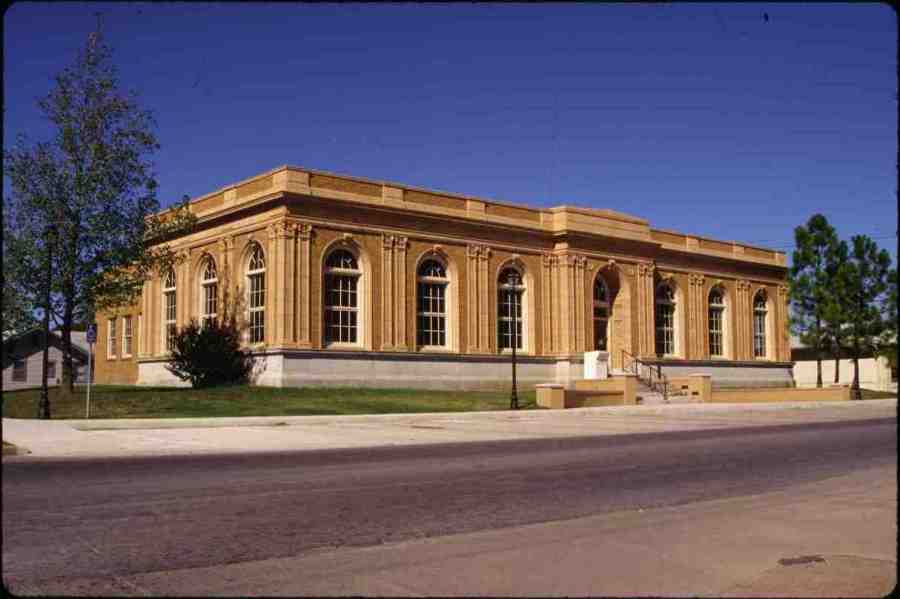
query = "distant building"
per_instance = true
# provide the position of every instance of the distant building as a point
(349, 281)
(23, 357)
(875, 372)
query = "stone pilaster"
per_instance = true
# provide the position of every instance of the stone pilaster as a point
(473, 317)
(272, 298)
(227, 281)
(388, 310)
(183, 289)
(401, 244)
(580, 282)
(696, 318)
(645, 309)
(484, 301)
(142, 350)
(304, 236)
(285, 283)
(782, 334)
(546, 303)
(743, 322)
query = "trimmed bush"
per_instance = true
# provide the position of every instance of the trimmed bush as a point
(209, 355)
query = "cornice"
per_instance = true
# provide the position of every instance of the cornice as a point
(286, 183)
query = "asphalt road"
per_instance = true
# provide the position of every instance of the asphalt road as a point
(76, 518)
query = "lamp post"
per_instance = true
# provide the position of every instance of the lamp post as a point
(514, 296)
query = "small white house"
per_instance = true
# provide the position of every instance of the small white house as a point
(23, 356)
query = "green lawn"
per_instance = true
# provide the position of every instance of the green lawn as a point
(109, 401)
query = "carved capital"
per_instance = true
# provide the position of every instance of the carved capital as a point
(472, 251)
(285, 229)
(645, 269)
(485, 253)
(271, 231)
(387, 241)
(401, 243)
(783, 291)
(546, 259)
(304, 230)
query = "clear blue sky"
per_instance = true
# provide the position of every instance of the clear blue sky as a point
(735, 121)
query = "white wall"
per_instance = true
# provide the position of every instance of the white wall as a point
(874, 373)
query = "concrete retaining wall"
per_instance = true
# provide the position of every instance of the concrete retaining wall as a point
(840, 393)
(729, 376)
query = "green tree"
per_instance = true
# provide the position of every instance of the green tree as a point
(210, 355)
(862, 285)
(17, 316)
(813, 266)
(87, 196)
(834, 313)
(887, 344)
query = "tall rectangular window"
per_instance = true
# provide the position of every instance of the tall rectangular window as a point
(716, 312)
(715, 332)
(432, 304)
(171, 310)
(759, 325)
(126, 336)
(510, 288)
(257, 306)
(665, 329)
(20, 371)
(341, 309)
(111, 339)
(51, 370)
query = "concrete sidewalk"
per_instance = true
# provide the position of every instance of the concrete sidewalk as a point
(144, 437)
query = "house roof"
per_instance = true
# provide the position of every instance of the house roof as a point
(79, 340)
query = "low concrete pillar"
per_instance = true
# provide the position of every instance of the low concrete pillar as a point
(551, 395)
(701, 386)
(629, 387)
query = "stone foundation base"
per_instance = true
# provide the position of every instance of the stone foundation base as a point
(454, 372)
(382, 370)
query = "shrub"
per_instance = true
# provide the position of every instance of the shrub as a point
(209, 355)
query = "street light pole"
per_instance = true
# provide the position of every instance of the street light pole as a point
(514, 294)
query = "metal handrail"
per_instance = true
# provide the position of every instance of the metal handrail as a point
(661, 385)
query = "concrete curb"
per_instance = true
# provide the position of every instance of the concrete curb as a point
(502, 415)
(14, 450)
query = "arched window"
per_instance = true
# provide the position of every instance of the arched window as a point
(342, 275)
(510, 289)
(256, 294)
(665, 320)
(209, 292)
(432, 285)
(601, 314)
(759, 325)
(716, 323)
(170, 308)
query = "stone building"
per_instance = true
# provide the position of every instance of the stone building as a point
(349, 281)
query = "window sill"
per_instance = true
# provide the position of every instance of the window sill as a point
(519, 352)
(435, 349)
(339, 345)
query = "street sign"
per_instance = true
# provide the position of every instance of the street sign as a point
(91, 339)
